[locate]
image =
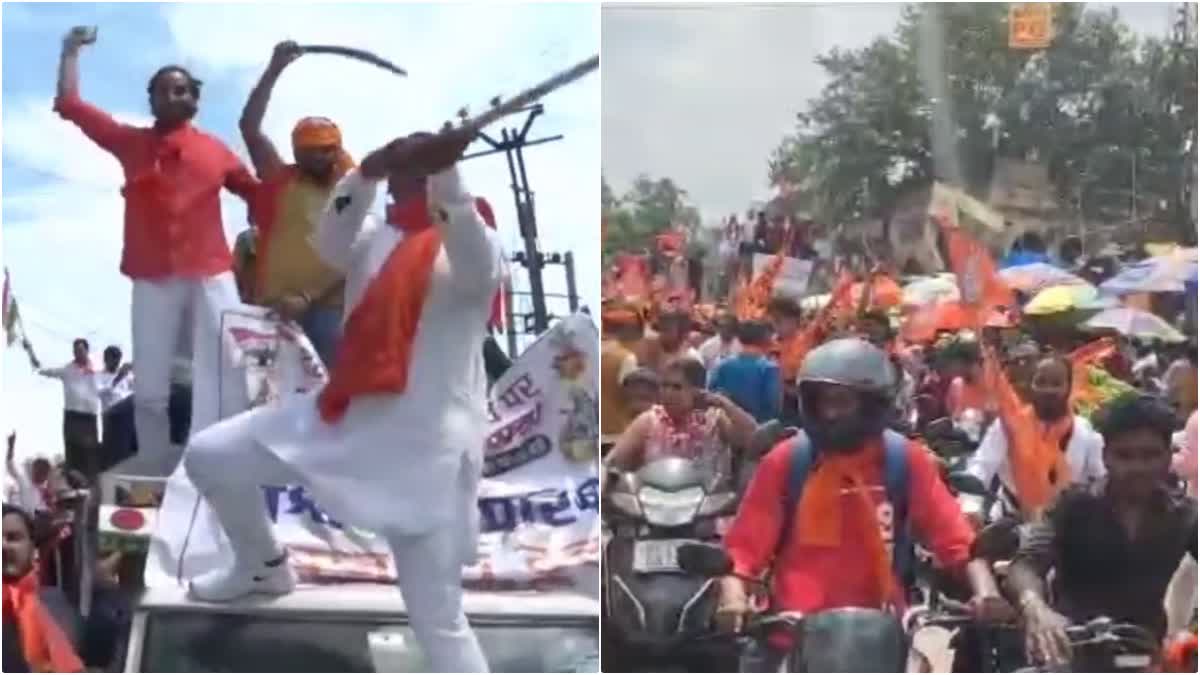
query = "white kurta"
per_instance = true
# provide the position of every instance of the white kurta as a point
(392, 463)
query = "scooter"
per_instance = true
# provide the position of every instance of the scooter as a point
(652, 607)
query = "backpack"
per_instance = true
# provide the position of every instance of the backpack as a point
(896, 483)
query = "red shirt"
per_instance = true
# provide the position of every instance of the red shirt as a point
(813, 578)
(172, 192)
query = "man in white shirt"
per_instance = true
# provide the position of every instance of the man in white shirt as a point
(115, 384)
(722, 345)
(394, 442)
(1050, 390)
(81, 403)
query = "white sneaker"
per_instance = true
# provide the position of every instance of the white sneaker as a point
(227, 585)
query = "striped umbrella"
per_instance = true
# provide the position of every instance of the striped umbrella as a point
(1038, 276)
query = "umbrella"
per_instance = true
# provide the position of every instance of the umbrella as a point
(1168, 273)
(930, 290)
(1037, 276)
(1133, 322)
(1056, 299)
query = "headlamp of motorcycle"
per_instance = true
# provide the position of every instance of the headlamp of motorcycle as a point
(670, 509)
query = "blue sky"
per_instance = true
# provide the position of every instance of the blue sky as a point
(61, 236)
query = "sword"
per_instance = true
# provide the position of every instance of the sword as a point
(356, 54)
(515, 104)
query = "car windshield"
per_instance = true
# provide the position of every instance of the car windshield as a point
(181, 641)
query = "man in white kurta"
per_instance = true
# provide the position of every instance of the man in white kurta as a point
(405, 466)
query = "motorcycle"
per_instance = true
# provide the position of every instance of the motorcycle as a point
(652, 607)
(846, 640)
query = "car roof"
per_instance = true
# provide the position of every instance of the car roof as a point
(380, 600)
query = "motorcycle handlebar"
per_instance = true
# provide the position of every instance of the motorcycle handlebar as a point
(1103, 630)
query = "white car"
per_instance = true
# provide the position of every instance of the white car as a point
(354, 628)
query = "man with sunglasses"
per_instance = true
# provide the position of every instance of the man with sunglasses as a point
(175, 251)
(288, 275)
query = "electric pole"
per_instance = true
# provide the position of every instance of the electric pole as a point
(512, 142)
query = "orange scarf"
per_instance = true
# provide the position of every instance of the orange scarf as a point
(43, 643)
(1035, 449)
(819, 518)
(376, 347)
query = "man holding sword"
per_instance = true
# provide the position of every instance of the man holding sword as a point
(288, 274)
(394, 441)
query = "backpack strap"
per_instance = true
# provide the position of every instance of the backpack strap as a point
(896, 478)
(800, 462)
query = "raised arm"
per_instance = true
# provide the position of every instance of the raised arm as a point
(342, 222)
(95, 123)
(263, 154)
(475, 265)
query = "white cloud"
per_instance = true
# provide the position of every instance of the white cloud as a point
(62, 240)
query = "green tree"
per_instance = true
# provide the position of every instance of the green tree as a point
(944, 97)
(649, 207)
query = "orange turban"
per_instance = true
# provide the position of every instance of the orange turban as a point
(321, 132)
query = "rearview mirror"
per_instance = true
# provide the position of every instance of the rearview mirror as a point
(706, 560)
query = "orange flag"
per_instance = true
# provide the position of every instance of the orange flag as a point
(841, 304)
(1035, 452)
(752, 300)
(980, 287)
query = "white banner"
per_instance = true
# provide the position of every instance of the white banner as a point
(792, 281)
(539, 500)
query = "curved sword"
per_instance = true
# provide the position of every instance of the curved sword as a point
(354, 53)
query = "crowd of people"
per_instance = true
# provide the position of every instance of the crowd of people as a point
(1102, 484)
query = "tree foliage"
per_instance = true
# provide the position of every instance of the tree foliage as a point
(650, 206)
(1087, 107)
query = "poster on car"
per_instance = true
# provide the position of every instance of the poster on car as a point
(538, 500)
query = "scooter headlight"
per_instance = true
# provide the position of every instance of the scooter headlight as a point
(670, 509)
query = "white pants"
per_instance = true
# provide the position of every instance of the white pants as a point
(228, 466)
(176, 317)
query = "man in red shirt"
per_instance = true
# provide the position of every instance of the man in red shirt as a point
(836, 549)
(175, 250)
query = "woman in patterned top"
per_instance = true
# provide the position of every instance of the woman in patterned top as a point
(689, 422)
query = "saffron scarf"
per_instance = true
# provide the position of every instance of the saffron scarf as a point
(376, 348)
(43, 643)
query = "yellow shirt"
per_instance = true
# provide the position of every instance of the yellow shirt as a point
(292, 264)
